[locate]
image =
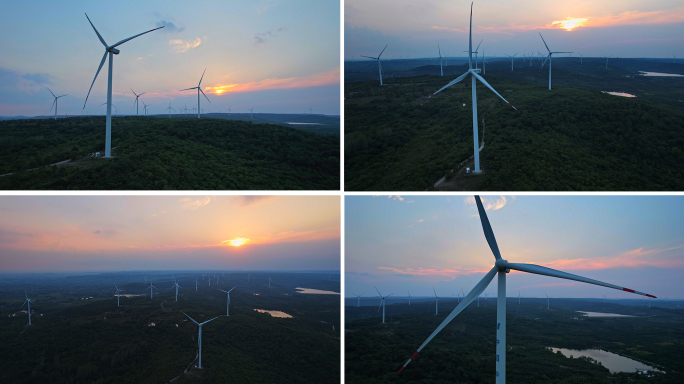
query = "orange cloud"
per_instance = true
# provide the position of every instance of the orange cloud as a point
(488, 203)
(452, 273)
(448, 29)
(634, 258)
(675, 15)
(324, 78)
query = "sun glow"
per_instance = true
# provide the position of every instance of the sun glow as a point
(235, 242)
(569, 24)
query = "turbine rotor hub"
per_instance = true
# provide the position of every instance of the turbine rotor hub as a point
(501, 265)
(113, 50)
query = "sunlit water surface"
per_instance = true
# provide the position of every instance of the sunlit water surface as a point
(614, 363)
(274, 313)
(316, 291)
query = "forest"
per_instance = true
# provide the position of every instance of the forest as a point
(79, 340)
(157, 154)
(464, 351)
(566, 139)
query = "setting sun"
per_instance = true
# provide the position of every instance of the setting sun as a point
(236, 242)
(569, 24)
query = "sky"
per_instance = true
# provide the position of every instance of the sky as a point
(412, 243)
(275, 55)
(124, 233)
(622, 28)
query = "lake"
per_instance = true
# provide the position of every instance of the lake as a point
(274, 313)
(316, 291)
(623, 94)
(658, 74)
(614, 363)
(601, 314)
(305, 123)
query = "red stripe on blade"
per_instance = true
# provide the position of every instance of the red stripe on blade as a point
(628, 290)
(413, 356)
(402, 368)
(651, 296)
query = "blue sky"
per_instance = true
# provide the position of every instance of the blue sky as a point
(280, 56)
(624, 28)
(403, 243)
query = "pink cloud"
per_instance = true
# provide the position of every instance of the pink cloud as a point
(452, 273)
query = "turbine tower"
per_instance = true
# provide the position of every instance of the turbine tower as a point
(607, 57)
(228, 302)
(358, 299)
(117, 294)
(169, 109)
(251, 110)
(501, 268)
(269, 281)
(409, 293)
(199, 338)
(474, 75)
(109, 50)
(54, 103)
(135, 103)
(436, 301)
(441, 70)
(378, 59)
(175, 285)
(382, 304)
(196, 282)
(518, 297)
(151, 288)
(512, 60)
(199, 89)
(548, 302)
(29, 302)
(581, 57)
(550, 58)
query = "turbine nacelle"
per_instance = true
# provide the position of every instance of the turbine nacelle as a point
(113, 50)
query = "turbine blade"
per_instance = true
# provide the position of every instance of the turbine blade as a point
(232, 288)
(98, 33)
(483, 81)
(440, 51)
(370, 57)
(383, 50)
(53, 104)
(210, 320)
(376, 288)
(456, 80)
(478, 46)
(142, 93)
(131, 38)
(200, 83)
(487, 228)
(62, 95)
(53, 95)
(200, 89)
(187, 89)
(222, 290)
(539, 270)
(547, 47)
(472, 295)
(470, 39)
(104, 57)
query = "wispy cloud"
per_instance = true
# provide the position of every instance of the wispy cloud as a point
(449, 29)
(448, 272)
(190, 203)
(263, 37)
(169, 27)
(489, 203)
(639, 257)
(180, 46)
(315, 80)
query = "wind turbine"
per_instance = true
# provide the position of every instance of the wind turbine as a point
(29, 302)
(151, 288)
(474, 75)
(484, 62)
(109, 50)
(436, 301)
(607, 57)
(310, 110)
(169, 109)
(144, 108)
(501, 267)
(135, 103)
(548, 302)
(378, 59)
(674, 58)
(228, 302)
(228, 111)
(382, 303)
(550, 58)
(518, 297)
(54, 103)
(175, 285)
(199, 89)
(441, 71)
(251, 110)
(475, 52)
(604, 298)
(512, 60)
(199, 338)
(358, 300)
(117, 294)
(269, 281)
(581, 57)
(409, 293)
(196, 282)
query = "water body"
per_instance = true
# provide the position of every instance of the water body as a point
(658, 74)
(601, 314)
(623, 94)
(316, 291)
(132, 295)
(614, 363)
(305, 123)
(274, 313)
